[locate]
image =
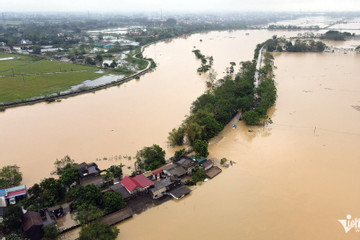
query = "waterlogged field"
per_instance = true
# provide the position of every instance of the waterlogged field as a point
(28, 65)
(25, 77)
(18, 88)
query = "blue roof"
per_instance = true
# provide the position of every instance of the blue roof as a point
(18, 188)
(2, 192)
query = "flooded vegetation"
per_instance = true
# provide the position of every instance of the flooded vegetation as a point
(289, 178)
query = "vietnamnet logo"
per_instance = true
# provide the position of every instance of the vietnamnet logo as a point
(349, 223)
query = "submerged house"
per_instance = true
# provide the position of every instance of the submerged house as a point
(90, 169)
(119, 188)
(174, 170)
(136, 184)
(162, 187)
(187, 163)
(32, 225)
(207, 165)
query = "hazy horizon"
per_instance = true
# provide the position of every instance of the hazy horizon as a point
(111, 6)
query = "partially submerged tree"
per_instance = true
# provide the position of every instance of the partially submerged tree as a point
(63, 163)
(176, 136)
(114, 171)
(201, 148)
(179, 153)
(69, 175)
(150, 158)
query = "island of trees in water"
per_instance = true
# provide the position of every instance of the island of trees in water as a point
(299, 45)
(219, 104)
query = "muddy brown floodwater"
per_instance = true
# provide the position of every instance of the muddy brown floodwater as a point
(292, 179)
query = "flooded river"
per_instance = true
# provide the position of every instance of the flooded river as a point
(292, 179)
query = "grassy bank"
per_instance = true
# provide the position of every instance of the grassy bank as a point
(26, 77)
(34, 65)
(19, 88)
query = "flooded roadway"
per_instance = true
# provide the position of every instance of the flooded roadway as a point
(292, 179)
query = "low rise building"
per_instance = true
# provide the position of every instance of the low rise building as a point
(90, 169)
(187, 163)
(174, 170)
(136, 184)
(32, 225)
(162, 187)
(14, 194)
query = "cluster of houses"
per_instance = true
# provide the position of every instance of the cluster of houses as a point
(165, 181)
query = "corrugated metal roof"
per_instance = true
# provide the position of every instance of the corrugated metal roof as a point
(18, 188)
(16, 194)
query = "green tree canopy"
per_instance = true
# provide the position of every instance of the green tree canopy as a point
(86, 213)
(88, 195)
(69, 175)
(201, 148)
(36, 49)
(115, 171)
(113, 201)
(176, 136)
(150, 158)
(52, 192)
(63, 163)
(98, 231)
(13, 218)
(179, 153)
(10, 176)
(251, 117)
(51, 233)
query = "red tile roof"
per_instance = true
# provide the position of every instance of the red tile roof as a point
(157, 172)
(138, 181)
(142, 181)
(128, 183)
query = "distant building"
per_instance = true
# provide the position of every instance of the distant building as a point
(25, 42)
